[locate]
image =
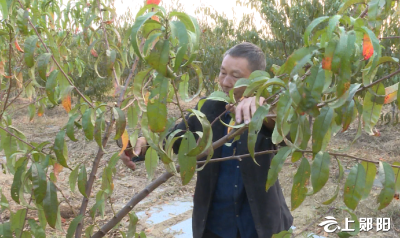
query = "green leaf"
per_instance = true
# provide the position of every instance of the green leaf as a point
(386, 176)
(397, 176)
(133, 113)
(29, 49)
(89, 231)
(87, 123)
(61, 149)
(98, 130)
(36, 230)
(187, 163)
(73, 177)
(133, 219)
(4, 8)
(348, 4)
(353, 189)
(135, 30)
(82, 180)
(336, 193)
(372, 107)
(320, 171)
(295, 58)
(5, 230)
(282, 113)
(178, 30)
(333, 22)
(159, 57)
(73, 225)
(17, 221)
(157, 104)
(320, 128)
(255, 127)
(120, 122)
(50, 204)
(151, 162)
(276, 165)
(356, 226)
(370, 172)
(51, 84)
(39, 182)
(42, 62)
(17, 181)
(70, 127)
(310, 27)
(283, 234)
(299, 188)
(206, 140)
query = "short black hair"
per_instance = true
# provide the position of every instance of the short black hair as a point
(254, 55)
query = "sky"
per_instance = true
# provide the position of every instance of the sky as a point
(228, 7)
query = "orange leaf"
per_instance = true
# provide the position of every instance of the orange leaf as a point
(153, 2)
(368, 49)
(396, 196)
(146, 97)
(57, 169)
(377, 133)
(327, 63)
(94, 53)
(17, 46)
(155, 18)
(66, 102)
(108, 22)
(125, 140)
(7, 77)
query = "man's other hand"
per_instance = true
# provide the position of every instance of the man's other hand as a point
(139, 149)
(245, 110)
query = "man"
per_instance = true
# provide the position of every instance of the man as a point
(230, 199)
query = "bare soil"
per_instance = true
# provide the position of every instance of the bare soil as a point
(127, 183)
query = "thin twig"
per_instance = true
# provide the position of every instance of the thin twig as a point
(9, 82)
(389, 37)
(107, 44)
(179, 105)
(65, 198)
(16, 97)
(62, 41)
(11, 134)
(284, 48)
(379, 80)
(364, 13)
(55, 61)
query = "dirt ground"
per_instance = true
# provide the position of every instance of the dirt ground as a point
(127, 182)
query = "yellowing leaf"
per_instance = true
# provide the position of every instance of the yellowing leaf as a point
(19, 80)
(66, 102)
(368, 49)
(125, 140)
(391, 93)
(57, 169)
(327, 63)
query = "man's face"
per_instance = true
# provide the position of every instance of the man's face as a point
(232, 69)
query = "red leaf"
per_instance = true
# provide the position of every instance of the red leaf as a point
(155, 18)
(153, 2)
(94, 53)
(368, 49)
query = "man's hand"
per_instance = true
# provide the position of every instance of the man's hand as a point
(140, 148)
(245, 110)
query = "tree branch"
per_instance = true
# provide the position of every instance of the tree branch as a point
(379, 80)
(11, 134)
